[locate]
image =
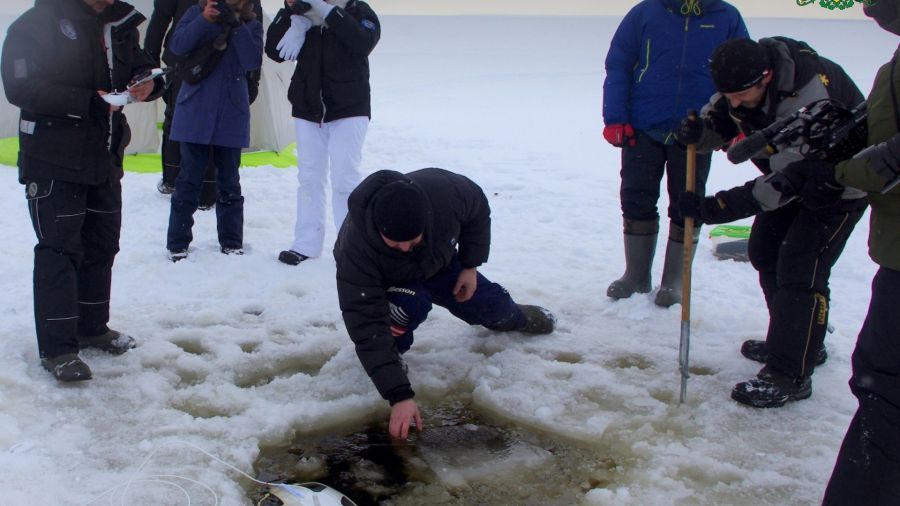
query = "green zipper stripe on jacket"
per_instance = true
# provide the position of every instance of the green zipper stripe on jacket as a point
(646, 62)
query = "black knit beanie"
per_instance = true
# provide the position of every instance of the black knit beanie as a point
(738, 64)
(400, 211)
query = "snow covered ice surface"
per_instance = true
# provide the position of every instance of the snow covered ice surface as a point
(239, 351)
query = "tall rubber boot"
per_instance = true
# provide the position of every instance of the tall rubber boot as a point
(673, 269)
(640, 245)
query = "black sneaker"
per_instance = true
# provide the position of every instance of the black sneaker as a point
(771, 389)
(231, 251)
(165, 188)
(756, 350)
(537, 320)
(178, 255)
(291, 257)
(68, 367)
(111, 341)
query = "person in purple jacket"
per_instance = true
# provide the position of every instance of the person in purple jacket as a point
(657, 69)
(212, 118)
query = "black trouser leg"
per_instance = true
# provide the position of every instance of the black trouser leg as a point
(208, 189)
(230, 204)
(867, 470)
(100, 241)
(170, 150)
(800, 247)
(57, 212)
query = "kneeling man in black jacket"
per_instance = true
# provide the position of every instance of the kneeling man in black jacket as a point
(410, 241)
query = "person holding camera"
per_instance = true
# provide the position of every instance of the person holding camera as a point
(212, 117)
(165, 17)
(868, 465)
(330, 102)
(60, 59)
(794, 242)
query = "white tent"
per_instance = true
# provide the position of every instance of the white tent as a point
(271, 127)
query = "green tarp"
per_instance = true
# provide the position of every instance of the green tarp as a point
(152, 162)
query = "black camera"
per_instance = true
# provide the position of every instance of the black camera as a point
(226, 15)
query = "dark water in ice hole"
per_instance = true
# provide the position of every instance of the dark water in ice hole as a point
(461, 458)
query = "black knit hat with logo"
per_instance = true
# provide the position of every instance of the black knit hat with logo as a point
(738, 64)
(400, 211)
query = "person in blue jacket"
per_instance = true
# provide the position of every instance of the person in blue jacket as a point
(657, 69)
(214, 112)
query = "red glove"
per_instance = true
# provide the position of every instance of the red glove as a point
(618, 134)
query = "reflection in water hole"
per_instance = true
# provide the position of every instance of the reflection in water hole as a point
(460, 458)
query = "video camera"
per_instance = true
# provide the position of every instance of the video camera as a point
(824, 130)
(227, 16)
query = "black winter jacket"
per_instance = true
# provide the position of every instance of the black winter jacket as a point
(331, 79)
(458, 217)
(53, 63)
(166, 14)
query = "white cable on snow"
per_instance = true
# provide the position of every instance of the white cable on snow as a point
(167, 479)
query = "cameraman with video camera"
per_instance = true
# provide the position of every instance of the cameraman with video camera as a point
(868, 465)
(794, 242)
(212, 118)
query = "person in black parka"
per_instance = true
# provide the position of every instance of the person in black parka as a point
(410, 241)
(56, 68)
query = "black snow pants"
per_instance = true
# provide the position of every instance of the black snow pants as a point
(794, 248)
(867, 470)
(77, 228)
(643, 166)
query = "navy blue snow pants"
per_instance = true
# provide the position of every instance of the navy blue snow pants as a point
(186, 199)
(490, 306)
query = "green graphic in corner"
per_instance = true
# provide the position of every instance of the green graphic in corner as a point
(835, 4)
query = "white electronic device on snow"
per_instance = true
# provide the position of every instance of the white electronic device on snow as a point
(304, 494)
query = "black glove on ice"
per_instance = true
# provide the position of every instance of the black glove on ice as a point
(689, 130)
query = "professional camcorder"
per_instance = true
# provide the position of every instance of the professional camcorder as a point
(823, 130)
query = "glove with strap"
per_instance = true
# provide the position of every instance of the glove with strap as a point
(884, 158)
(689, 131)
(290, 44)
(820, 189)
(725, 207)
(618, 134)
